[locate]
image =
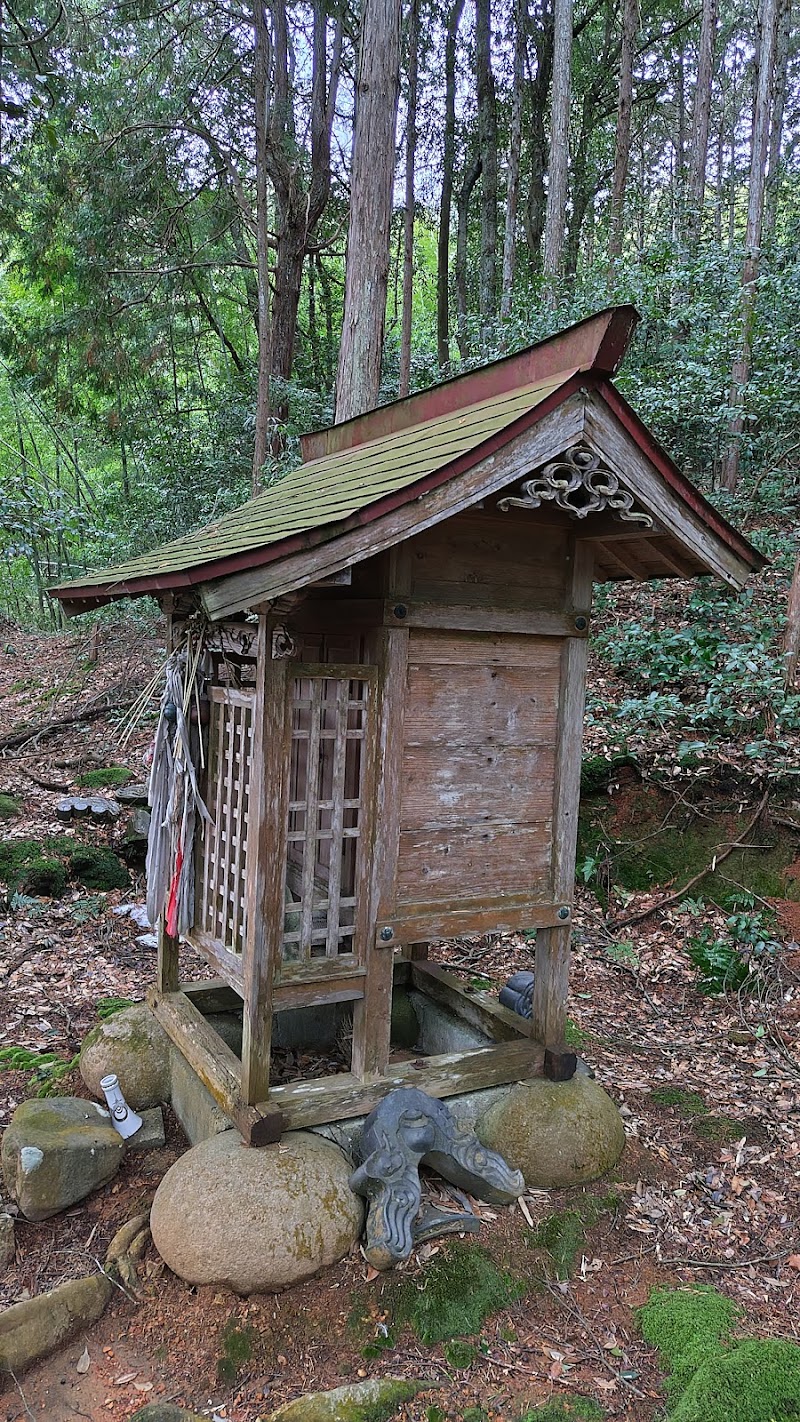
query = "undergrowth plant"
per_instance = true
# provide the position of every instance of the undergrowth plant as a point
(727, 964)
(47, 1068)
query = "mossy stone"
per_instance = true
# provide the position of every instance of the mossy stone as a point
(32, 1329)
(106, 777)
(44, 878)
(256, 1220)
(372, 1401)
(135, 1048)
(558, 1133)
(9, 806)
(56, 1151)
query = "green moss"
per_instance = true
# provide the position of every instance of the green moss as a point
(566, 1409)
(237, 1348)
(459, 1290)
(98, 868)
(106, 778)
(713, 1378)
(688, 1103)
(597, 772)
(574, 1036)
(9, 806)
(562, 1236)
(46, 878)
(475, 1414)
(357, 1404)
(719, 1129)
(460, 1353)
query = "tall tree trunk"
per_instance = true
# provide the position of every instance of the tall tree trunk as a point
(408, 218)
(462, 306)
(558, 165)
(778, 108)
(514, 157)
(740, 373)
(261, 101)
(487, 144)
(358, 377)
(539, 88)
(696, 185)
(446, 202)
(619, 182)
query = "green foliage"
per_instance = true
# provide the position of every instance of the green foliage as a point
(566, 1409)
(714, 1378)
(732, 963)
(87, 909)
(9, 806)
(102, 779)
(574, 1036)
(475, 1414)
(236, 1349)
(97, 868)
(458, 1291)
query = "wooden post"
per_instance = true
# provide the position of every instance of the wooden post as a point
(266, 831)
(372, 1016)
(553, 944)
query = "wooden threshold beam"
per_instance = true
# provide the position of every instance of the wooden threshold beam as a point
(478, 1009)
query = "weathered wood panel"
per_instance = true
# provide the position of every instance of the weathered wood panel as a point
(476, 785)
(479, 705)
(482, 558)
(487, 859)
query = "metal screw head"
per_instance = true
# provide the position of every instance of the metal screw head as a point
(386, 934)
(400, 611)
(581, 623)
(563, 913)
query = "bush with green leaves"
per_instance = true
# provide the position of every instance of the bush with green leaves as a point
(729, 963)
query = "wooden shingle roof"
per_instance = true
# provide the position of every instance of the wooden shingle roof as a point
(357, 473)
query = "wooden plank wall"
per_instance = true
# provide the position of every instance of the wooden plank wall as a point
(481, 718)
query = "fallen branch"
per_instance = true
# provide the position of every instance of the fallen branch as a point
(720, 854)
(31, 730)
(689, 1263)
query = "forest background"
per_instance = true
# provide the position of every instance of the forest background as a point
(206, 207)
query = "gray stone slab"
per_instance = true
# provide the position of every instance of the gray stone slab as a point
(150, 1134)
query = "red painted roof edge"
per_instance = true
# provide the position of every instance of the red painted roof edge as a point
(666, 466)
(259, 557)
(597, 344)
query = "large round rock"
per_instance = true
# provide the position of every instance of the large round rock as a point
(256, 1220)
(135, 1048)
(557, 1133)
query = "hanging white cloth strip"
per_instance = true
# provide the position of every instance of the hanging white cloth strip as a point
(174, 797)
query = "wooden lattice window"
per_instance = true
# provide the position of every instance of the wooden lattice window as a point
(329, 716)
(221, 896)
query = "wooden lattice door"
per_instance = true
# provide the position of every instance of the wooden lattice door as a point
(330, 708)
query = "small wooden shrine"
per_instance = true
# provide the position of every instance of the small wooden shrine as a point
(396, 637)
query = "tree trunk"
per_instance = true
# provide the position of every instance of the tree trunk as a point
(559, 148)
(462, 306)
(261, 102)
(487, 144)
(791, 636)
(778, 108)
(358, 377)
(740, 373)
(702, 112)
(539, 87)
(630, 27)
(514, 156)
(408, 219)
(446, 203)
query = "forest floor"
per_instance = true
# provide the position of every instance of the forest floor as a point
(708, 1188)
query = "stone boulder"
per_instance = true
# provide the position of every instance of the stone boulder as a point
(558, 1133)
(132, 1046)
(32, 1329)
(255, 1221)
(56, 1151)
(371, 1401)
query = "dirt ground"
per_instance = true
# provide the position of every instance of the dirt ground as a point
(707, 1192)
